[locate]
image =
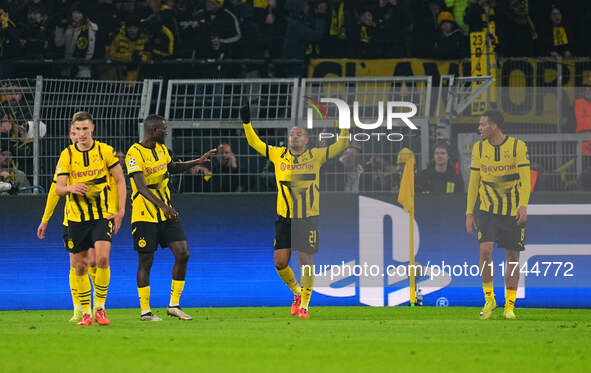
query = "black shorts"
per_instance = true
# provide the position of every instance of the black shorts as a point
(84, 234)
(297, 234)
(147, 236)
(68, 243)
(501, 229)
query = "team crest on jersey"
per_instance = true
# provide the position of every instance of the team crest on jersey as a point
(507, 155)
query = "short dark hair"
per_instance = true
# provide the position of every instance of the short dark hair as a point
(441, 144)
(351, 146)
(80, 116)
(153, 120)
(495, 116)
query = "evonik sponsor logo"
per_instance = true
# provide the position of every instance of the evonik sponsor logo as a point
(285, 166)
(498, 168)
(79, 174)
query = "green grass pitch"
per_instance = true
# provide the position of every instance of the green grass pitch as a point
(335, 339)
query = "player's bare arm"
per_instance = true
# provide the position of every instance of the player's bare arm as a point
(178, 167)
(521, 216)
(62, 188)
(140, 183)
(471, 226)
(41, 229)
(117, 173)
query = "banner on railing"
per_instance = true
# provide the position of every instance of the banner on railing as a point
(534, 96)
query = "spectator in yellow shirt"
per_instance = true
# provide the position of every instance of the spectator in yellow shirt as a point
(128, 46)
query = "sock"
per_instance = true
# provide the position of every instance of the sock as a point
(73, 290)
(101, 286)
(307, 286)
(489, 293)
(83, 285)
(144, 294)
(510, 299)
(288, 277)
(92, 274)
(175, 292)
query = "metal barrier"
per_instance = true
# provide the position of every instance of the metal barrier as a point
(559, 158)
(535, 94)
(116, 106)
(205, 113)
(17, 101)
(367, 95)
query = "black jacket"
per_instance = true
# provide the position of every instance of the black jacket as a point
(430, 181)
(452, 46)
(222, 25)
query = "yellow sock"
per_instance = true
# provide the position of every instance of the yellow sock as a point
(175, 292)
(73, 290)
(144, 294)
(92, 274)
(83, 285)
(488, 289)
(510, 299)
(307, 286)
(101, 287)
(288, 277)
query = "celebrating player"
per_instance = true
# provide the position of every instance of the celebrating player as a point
(82, 175)
(51, 202)
(298, 204)
(500, 175)
(154, 221)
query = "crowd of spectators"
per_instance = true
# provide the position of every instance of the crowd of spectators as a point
(137, 31)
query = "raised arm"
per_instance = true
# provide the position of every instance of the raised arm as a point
(253, 139)
(178, 167)
(336, 148)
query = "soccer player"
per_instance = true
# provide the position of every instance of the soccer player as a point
(153, 219)
(50, 204)
(83, 170)
(500, 175)
(298, 204)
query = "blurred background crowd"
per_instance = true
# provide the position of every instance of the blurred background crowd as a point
(139, 31)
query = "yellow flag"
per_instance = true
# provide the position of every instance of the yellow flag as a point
(259, 3)
(406, 194)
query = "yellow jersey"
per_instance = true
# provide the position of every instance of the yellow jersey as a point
(90, 167)
(52, 200)
(153, 163)
(297, 176)
(500, 175)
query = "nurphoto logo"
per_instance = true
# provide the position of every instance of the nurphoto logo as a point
(344, 118)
